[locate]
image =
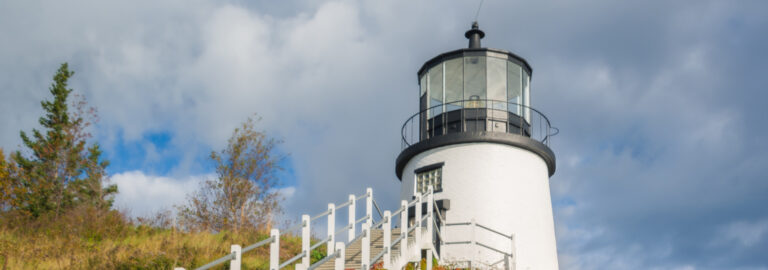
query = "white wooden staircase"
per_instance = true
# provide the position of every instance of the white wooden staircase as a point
(371, 244)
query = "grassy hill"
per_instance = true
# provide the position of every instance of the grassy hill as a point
(93, 239)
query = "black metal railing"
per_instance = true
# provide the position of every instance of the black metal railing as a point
(477, 115)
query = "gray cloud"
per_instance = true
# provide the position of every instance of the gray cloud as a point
(661, 152)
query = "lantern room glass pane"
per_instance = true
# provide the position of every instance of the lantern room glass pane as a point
(497, 83)
(454, 83)
(423, 95)
(435, 90)
(423, 85)
(526, 96)
(514, 87)
(474, 81)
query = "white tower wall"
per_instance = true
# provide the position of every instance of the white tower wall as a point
(502, 187)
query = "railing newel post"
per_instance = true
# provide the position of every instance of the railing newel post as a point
(387, 226)
(472, 242)
(431, 222)
(274, 250)
(235, 263)
(417, 219)
(513, 253)
(403, 228)
(369, 206)
(351, 217)
(429, 259)
(340, 256)
(365, 245)
(305, 243)
(331, 227)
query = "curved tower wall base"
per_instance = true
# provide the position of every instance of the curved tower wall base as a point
(499, 186)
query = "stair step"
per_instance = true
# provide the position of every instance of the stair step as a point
(353, 250)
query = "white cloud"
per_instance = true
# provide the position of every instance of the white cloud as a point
(141, 194)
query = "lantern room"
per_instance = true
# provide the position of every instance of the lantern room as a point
(474, 89)
(475, 94)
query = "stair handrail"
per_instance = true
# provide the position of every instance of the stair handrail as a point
(330, 239)
(275, 234)
(376, 205)
(427, 219)
(388, 247)
(509, 257)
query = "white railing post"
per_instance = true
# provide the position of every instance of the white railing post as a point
(387, 226)
(472, 242)
(430, 215)
(340, 256)
(369, 206)
(274, 250)
(331, 228)
(513, 253)
(305, 237)
(351, 217)
(430, 226)
(417, 220)
(238, 259)
(429, 259)
(365, 247)
(404, 229)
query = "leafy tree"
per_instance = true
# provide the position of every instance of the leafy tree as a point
(62, 171)
(244, 194)
(5, 182)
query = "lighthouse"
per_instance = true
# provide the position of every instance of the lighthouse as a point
(483, 149)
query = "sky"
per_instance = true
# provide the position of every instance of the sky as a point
(661, 105)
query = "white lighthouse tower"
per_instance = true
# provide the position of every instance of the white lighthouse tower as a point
(485, 152)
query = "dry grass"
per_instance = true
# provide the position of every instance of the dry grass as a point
(90, 239)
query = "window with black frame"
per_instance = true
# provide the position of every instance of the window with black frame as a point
(427, 176)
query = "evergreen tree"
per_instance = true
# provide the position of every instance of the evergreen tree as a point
(62, 170)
